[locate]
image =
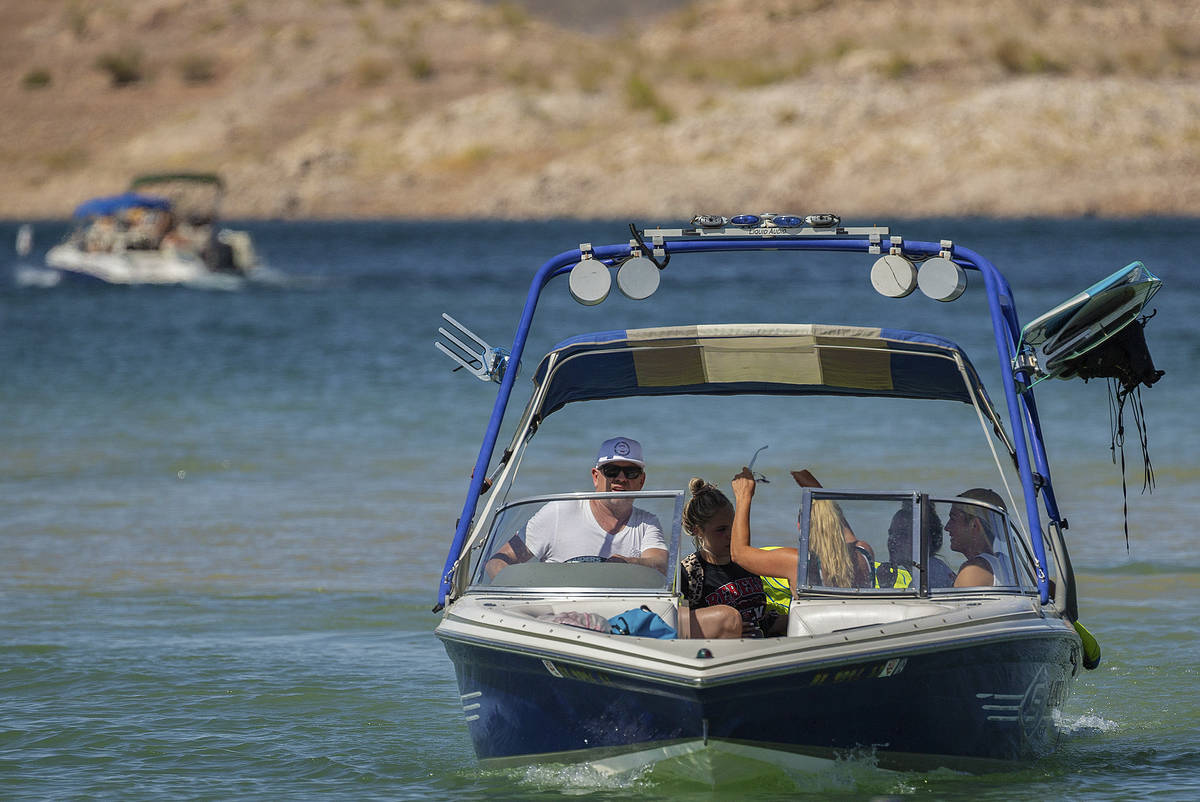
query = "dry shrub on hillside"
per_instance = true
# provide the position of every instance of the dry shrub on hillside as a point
(37, 78)
(197, 68)
(371, 71)
(124, 66)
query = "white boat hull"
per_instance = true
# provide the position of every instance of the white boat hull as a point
(167, 265)
(129, 267)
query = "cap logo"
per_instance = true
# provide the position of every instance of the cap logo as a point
(621, 448)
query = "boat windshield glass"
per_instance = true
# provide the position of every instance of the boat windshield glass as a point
(844, 442)
(874, 542)
(626, 540)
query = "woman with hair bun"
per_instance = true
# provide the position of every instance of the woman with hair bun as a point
(711, 581)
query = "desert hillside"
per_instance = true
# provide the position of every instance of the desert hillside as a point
(422, 108)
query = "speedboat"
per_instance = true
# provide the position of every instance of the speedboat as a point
(918, 673)
(163, 230)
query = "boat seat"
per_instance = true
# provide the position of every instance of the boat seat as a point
(823, 618)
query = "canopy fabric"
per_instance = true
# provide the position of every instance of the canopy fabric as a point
(111, 204)
(786, 359)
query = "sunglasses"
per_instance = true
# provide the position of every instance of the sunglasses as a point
(613, 471)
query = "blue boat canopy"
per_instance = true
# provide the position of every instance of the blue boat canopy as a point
(785, 359)
(112, 204)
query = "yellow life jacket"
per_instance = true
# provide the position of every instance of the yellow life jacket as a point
(778, 590)
(904, 577)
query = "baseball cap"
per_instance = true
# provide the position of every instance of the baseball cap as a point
(620, 449)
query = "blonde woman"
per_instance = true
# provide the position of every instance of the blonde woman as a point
(827, 543)
(835, 555)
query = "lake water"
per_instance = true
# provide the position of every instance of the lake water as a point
(223, 515)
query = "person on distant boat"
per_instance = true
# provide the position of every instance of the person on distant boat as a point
(606, 529)
(142, 229)
(101, 235)
(897, 573)
(712, 582)
(836, 558)
(164, 229)
(973, 531)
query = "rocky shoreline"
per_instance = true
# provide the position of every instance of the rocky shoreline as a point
(421, 109)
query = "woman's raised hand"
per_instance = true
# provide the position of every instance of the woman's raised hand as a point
(743, 484)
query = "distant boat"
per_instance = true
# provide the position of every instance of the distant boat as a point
(163, 230)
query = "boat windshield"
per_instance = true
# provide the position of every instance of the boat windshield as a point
(560, 541)
(873, 541)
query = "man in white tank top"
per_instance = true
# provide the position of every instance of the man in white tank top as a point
(975, 533)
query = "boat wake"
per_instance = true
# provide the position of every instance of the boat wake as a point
(579, 777)
(1086, 724)
(29, 276)
(34, 277)
(856, 773)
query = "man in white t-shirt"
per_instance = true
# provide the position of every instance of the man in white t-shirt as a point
(974, 532)
(599, 529)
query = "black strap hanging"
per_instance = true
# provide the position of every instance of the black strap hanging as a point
(1125, 361)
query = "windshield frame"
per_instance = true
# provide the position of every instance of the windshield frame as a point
(1016, 549)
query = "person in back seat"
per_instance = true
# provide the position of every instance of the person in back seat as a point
(897, 572)
(974, 531)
